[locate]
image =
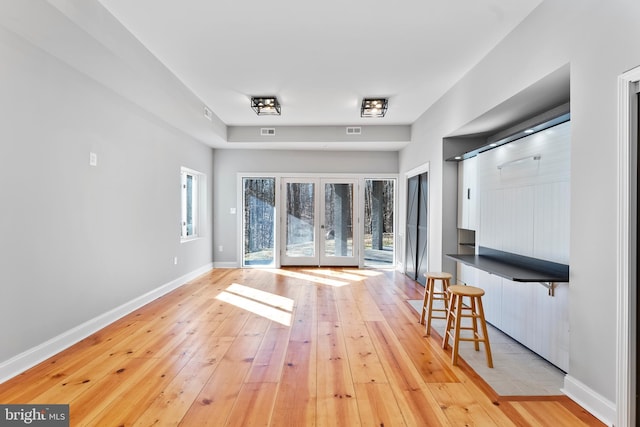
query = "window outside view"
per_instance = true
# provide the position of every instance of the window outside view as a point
(379, 236)
(259, 221)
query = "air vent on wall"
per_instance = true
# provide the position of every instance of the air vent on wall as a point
(267, 131)
(354, 130)
(208, 113)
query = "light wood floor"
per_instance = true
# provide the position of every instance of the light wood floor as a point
(290, 347)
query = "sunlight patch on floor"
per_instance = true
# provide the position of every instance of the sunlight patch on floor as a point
(310, 278)
(337, 274)
(274, 300)
(270, 306)
(366, 273)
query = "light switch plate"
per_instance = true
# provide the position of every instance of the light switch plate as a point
(93, 159)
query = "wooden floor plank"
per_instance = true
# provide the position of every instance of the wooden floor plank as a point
(253, 406)
(278, 347)
(378, 405)
(295, 403)
(462, 408)
(336, 401)
(176, 398)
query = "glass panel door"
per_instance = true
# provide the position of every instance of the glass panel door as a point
(299, 222)
(337, 229)
(318, 222)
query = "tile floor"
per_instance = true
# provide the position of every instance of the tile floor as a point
(517, 370)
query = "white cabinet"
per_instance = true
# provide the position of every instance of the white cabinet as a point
(467, 194)
(526, 312)
(537, 320)
(467, 275)
(492, 299)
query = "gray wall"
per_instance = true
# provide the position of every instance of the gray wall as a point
(599, 41)
(228, 163)
(78, 241)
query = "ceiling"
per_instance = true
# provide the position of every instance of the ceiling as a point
(319, 58)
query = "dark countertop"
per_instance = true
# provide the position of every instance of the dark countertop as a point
(515, 267)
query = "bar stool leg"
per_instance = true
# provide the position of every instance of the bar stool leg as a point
(487, 347)
(450, 314)
(425, 301)
(457, 327)
(474, 323)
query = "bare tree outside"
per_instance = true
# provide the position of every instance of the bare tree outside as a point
(379, 234)
(259, 220)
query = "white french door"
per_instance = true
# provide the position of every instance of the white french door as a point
(318, 222)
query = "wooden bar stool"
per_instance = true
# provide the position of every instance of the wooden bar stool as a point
(432, 294)
(457, 312)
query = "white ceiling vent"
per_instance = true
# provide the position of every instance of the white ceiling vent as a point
(267, 131)
(354, 130)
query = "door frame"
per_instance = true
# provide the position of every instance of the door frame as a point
(626, 328)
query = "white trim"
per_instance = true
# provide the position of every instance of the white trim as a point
(29, 358)
(597, 405)
(417, 171)
(228, 264)
(625, 330)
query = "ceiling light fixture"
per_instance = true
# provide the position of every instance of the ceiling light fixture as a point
(373, 107)
(265, 105)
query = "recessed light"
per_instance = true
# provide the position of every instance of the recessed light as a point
(529, 131)
(493, 144)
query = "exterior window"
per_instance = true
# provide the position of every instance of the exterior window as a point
(191, 188)
(259, 221)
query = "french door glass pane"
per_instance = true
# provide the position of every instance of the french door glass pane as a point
(300, 219)
(259, 220)
(338, 220)
(379, 235)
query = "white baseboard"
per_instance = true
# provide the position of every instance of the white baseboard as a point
(597, 405)
(225, 265)
(27, 359)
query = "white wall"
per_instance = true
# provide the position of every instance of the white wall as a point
(599, 41)
(78, 241)
(228, 163)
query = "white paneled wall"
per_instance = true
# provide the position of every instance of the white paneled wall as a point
(551, 238)
(524, 195)
(523, 208)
